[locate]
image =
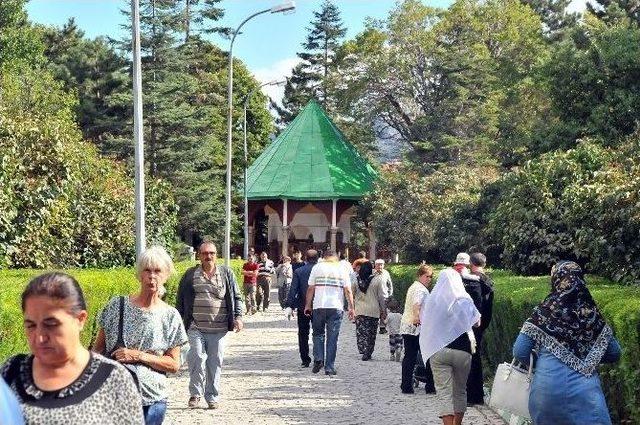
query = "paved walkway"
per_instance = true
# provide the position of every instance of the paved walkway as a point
(263, 383)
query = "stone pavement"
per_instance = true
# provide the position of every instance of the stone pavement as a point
(263, 383)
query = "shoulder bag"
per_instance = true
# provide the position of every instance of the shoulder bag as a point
(510, 390)
(120, 344)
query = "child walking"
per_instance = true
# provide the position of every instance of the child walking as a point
(394, 317)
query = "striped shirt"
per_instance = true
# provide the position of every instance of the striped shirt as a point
(209, 305)
(329, 279)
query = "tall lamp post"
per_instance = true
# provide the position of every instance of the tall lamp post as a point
(137, 130)
(284, 7)
(247, 98)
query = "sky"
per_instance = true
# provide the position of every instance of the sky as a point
(267, 44)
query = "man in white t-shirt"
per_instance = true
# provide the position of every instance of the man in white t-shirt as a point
(329, 284)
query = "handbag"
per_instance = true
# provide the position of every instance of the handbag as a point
(510, 390)
(120, 344)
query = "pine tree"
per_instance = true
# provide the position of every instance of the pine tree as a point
(310, 78)
(92, 68)
(554, 16)
(610, 10)
(200, 18)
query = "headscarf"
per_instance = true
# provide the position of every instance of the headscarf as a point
(446, 313)
(365, 274)
(568, 322)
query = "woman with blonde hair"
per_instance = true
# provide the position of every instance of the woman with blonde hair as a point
(144, 333)
(410, 328)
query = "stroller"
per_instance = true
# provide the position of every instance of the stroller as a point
(423, 374)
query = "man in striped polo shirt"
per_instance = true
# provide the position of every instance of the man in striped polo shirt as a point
(329, 284)
(210, 304)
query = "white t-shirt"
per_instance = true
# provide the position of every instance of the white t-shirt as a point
(329, 279)
(416, 294)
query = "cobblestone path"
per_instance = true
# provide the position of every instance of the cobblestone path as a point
(263, 383)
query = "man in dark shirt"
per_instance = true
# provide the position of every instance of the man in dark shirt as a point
(297, 299)
(482, 293)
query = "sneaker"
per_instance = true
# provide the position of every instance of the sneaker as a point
(306, 364)
(366, 357)
(317, 366)
(330, 372)
(253, 311)
(194, 401)
(383, 331)
(213, 404)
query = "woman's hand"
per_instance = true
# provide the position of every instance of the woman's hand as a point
(127, 355)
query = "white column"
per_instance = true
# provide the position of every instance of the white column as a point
(334, 228)
(285, 228)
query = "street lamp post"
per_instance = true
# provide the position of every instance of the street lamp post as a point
(138, 131)
(247, 98)
(284, 7)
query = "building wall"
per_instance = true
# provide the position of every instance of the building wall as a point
(305, 223)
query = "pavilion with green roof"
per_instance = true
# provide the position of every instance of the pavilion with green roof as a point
(304, 187)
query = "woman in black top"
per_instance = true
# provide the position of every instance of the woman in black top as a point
(61, 382)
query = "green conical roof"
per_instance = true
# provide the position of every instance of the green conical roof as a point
(310, 160)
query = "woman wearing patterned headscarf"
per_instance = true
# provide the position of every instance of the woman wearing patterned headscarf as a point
(570, 338)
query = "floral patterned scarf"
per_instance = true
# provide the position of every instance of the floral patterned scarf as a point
(568, 322)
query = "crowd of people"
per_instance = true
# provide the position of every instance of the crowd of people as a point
(122, 378)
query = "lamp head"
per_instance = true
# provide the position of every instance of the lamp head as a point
(284, 7)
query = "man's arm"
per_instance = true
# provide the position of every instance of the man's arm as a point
(349, 295)
(310, 293)
(292, 296)
(389, 285)
(180, 295)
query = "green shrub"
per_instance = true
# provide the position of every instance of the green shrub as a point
(515, 298)
(62, 204)
(99, 286)
(531, 220)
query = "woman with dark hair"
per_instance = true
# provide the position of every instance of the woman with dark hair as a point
(61, 381)
(570, 338)
(144, 333)
(370, 306)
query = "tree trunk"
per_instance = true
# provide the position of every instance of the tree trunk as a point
(187, 20)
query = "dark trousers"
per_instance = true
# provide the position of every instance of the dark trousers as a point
(304, 326)
(411, 350)
(366, 328)
(263, 292)
(475, 390)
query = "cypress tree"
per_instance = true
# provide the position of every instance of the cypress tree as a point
(310, 78)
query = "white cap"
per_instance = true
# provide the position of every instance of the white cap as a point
(379, 261)
(462, 258)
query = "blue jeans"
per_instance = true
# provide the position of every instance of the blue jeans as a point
(329, 319)
(205, 357)
(154, 413)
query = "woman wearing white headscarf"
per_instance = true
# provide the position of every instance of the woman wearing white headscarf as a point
(446, 339)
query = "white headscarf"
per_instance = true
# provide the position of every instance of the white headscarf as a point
(446, 314)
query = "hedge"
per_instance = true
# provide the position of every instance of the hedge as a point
(516, 296)
(98, 285)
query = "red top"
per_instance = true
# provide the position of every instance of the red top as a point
(250, 280)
